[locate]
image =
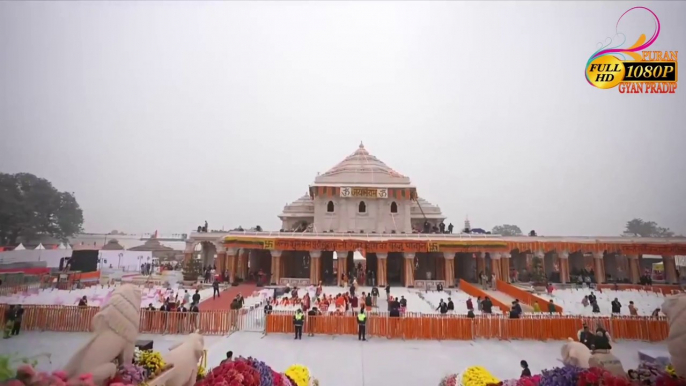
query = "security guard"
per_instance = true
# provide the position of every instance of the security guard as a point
(298, 320)
(362, 325)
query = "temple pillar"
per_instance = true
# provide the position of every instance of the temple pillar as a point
(242, 268)
(409, 269)
(187, 257)
(381, 268)
(634, 269)
(449, 258)
(221, 259)
(495, 265)
(505, 266)
(599, 267)
(342, 262)
(315, 260)
(231, 263)
(563, 259)
(669, 265)
(276, 267)
(480, 264)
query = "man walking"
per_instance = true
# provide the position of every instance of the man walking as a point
(215, 288)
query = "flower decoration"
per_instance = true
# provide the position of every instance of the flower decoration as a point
(298, 374)
(449, 380)
(558, 376)
(478, 376)
(131, 374)
(151, 361)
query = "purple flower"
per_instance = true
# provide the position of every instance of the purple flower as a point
(560, 376)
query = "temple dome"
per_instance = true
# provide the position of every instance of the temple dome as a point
(360, 169)
(304, 206)
(429, 210)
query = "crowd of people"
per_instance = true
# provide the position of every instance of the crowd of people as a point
(616, 306)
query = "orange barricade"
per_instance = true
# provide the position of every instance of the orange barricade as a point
(475, 291)
(411, 326)
(459, 327)
(665, 289)
(78, 319)
(523, 296)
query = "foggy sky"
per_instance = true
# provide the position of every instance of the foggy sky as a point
(161, 115)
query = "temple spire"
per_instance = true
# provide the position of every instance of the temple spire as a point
(361, 145)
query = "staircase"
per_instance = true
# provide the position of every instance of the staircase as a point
(507, 299)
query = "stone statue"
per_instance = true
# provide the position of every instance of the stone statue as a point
(115, 329)
(185, 357)
(575, 354)
(675, 309)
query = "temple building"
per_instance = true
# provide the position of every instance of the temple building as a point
(360, 195)
(362, 205)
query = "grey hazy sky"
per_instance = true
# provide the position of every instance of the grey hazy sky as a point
(160, 115)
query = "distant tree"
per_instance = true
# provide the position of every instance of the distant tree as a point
(30, 206)
(639, 228)
(506, 230)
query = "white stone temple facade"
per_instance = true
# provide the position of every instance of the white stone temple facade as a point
(361, 195)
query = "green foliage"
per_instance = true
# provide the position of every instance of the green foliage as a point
(192, 269)
(30, 206)
(9, 364)
(639, 228)
(506, 230)
(538, 271)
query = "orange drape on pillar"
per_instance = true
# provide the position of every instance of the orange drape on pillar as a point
(315, 268)
(634, 269)
(221, 262)
(495, 268)
(599, 268)
(505, 269)
(342, 261)
(480, 263)
(381, 277)
(669, 265)
(231, 265)
(449, 269)
(564, 270)
(409, 269)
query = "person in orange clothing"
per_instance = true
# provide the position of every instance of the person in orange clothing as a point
(340, 303)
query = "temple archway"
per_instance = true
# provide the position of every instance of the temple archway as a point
(395, 271)
(327, 266)
(206, 252)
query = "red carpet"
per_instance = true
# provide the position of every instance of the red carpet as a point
(227, 296)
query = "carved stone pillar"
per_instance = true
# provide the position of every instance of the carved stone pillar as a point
(449, 269)
(563, 258)
(315, 267)
(495, 265)
(409, 269)
(231, 263)
(187, 256)
(245, 256)
(634, 269)
(381, 275)
(276, 267)
(599, 267)
(669, 264)
(221, 259)
(342, 262)
(480, 264)
(505, 266)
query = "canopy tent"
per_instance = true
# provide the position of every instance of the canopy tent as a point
(20, 247)
(40, 246)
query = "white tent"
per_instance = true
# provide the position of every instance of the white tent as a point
(40, 246)
(61, 246)
(20, 247)
(68, 246)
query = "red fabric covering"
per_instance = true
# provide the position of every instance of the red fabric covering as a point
(28, 271)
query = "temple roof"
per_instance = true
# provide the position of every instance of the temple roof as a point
(302, 207)
(362, 169)
(429, 210)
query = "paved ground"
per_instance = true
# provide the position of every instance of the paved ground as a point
(343, 360)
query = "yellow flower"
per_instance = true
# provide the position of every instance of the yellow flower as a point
(478, 376)
(299, 374)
